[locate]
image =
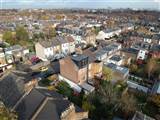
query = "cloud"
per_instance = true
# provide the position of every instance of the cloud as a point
(157, 1)
(81, 3)
(74, 1)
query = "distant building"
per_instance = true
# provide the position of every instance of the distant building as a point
(108, 33)
(142, 54)
(129, 53)
(148, 40)
(59, 45)
(71, 42)
(18, 52)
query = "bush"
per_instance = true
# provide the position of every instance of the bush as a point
(45, 82)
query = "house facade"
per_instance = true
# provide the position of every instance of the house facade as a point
(44, 50)
(2, 58)
(71, 42)
(142, 54)
(50, 48)
(78, 70)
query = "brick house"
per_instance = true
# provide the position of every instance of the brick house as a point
(79, 69)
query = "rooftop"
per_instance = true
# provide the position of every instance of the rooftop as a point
(15, 47)
(141, 116)
(116, 58)
(120, 69)
(11, 88)
(43, 105)
(131, 50)
(79, 57)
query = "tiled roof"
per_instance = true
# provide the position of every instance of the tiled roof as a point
(70, 39)
(53, 42)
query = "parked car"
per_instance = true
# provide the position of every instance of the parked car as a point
(42, 69)
(35, 60)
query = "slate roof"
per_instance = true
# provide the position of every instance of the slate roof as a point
(91, 55)
(47, 112)
(120, 69)
(100, 53)
(79, 57)
(29, 105)
(51, 110)
(11, 89)
(131, 50)
(53, 42)
(116, 58)
(155, 48)
(61, 40)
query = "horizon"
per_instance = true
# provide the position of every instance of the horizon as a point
(82, 4)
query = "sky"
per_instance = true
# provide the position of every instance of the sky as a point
(135, 4)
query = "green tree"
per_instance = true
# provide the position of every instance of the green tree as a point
(87, 106)
(8, 37)
(96, 30)
(65, 89)
(107, 73)
(21, 33)
(109, 100)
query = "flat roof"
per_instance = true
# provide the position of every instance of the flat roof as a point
(117, 68)
(116, 58)
(88, 87)
(79, 57)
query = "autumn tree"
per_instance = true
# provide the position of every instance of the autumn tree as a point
(127, 104)
(133, 68)
(51, 33)
(59, 17)
(107, 73)
(151, 67)
(155, 99)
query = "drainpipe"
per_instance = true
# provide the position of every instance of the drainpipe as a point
(87, 69)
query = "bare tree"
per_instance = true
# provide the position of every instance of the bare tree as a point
(108, 93)
(127, 104)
